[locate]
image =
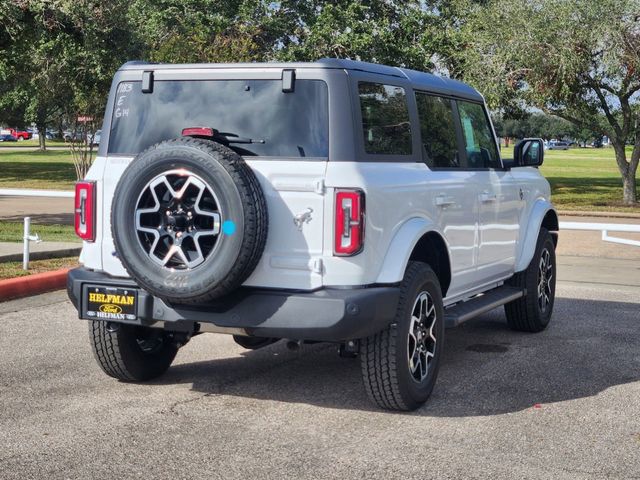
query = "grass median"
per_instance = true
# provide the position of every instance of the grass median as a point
(586, 179)
(13, 232)
(14, 269)
(32, 143)
(48, 170)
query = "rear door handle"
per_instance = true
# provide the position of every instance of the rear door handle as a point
(443, 201)
(487, 197)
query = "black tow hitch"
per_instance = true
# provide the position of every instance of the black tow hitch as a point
(350, 349)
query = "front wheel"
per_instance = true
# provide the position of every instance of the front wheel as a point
(131, 353)
(532, 312)
(400, 364)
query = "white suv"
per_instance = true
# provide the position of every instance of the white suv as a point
(335, 201)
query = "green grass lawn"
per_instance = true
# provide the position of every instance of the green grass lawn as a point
(50, 170)
(13, 231)
(585, 179)
(32, 143)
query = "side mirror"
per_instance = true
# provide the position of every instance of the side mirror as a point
(529, 152)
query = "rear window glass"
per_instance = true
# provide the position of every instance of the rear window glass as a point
(285, 124)
(385, 119)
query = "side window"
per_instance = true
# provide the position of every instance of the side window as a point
(385, 119)
(438, 129)
(482, 151)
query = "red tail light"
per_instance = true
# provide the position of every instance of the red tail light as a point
(199, 132)
(349, 228)
(85, 210)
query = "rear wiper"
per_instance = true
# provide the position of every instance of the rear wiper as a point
(233, 138)
(225, 137)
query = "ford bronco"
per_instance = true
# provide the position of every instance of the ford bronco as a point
(334, 201)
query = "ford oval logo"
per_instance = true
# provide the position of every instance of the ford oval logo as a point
(109, 308)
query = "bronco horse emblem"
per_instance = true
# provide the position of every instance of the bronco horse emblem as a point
(300, 219)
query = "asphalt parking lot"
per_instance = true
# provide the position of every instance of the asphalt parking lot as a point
(561, 404)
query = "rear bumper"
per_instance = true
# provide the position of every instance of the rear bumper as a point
(327, 314)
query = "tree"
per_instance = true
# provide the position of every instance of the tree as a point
(192, 31)
(393, 33)
(102, 41)
(36, 63)
(61, 57)
(576, 59)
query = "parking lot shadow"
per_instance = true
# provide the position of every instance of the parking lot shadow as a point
(487, 369)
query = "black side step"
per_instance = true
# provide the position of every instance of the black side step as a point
(463, 311)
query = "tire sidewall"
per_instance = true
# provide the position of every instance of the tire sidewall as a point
(415, 393)
(139, 173)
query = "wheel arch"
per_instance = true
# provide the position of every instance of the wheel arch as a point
(542, 215)
(417, 240)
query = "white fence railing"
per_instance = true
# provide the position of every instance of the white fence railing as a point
(27, 237)
(605, 228)
(28, 192)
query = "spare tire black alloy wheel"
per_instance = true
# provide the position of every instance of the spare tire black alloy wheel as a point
(180, 228)
(189, 220)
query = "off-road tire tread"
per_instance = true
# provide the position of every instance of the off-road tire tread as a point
(378, 352)
(107, 350)
(522, 314)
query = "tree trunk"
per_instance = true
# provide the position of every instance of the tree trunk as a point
(628, 171)
(629, 191)
(42, 136)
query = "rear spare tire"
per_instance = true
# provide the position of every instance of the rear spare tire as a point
(189, 220)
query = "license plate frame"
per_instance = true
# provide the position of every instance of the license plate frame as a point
(110, 303)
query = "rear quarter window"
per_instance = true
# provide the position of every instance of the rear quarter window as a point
(438, 131)
(291, 124)
(385, 119)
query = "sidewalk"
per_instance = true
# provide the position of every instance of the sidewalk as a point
(583, 257)
(12, 252)
(41, 210)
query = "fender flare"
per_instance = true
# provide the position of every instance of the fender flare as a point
(527, 245)
(401, 247)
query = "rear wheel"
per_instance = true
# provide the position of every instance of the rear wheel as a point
(532, 312)
(400, 364)
(129, 352)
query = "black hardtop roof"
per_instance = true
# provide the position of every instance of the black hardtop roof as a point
(419, 80)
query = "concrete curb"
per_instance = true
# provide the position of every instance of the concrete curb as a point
(17, 257)
(582, 213)
(33, 284)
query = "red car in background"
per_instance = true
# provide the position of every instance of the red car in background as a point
(19, 134)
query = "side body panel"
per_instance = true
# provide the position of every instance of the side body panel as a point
(500, 207)
(401, 206)
(537, 194)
